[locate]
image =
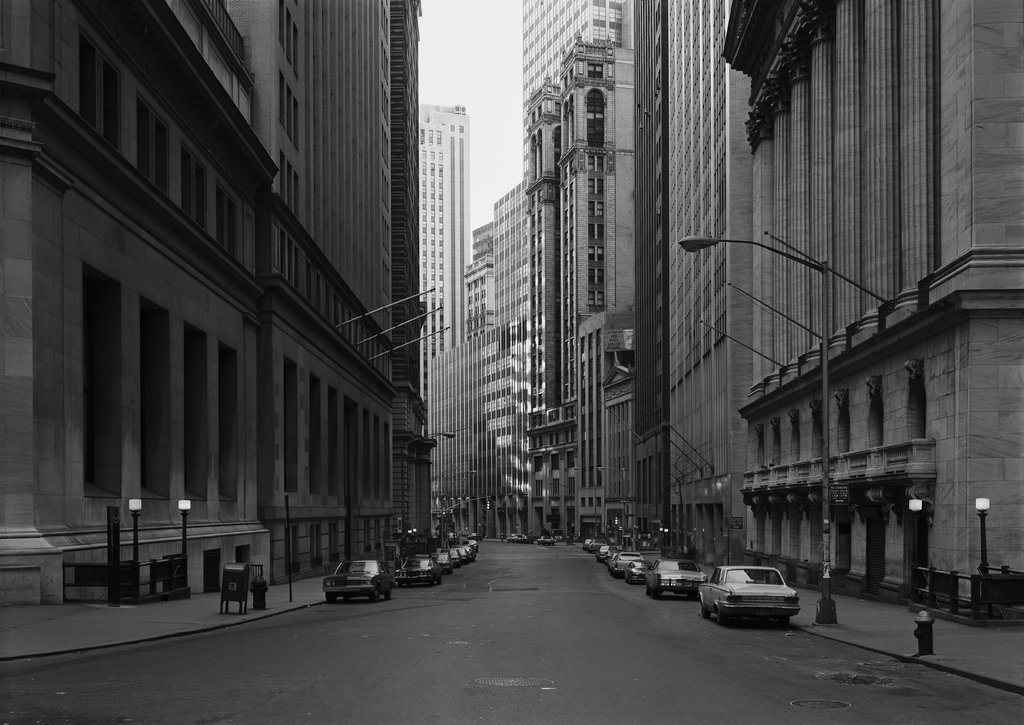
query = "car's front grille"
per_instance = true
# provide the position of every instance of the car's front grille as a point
(761, 600)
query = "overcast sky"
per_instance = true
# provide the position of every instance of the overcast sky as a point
(471, 55)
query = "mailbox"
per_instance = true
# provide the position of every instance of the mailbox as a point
(234, 586)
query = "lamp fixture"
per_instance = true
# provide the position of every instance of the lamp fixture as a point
(135, 504)
(981, 504)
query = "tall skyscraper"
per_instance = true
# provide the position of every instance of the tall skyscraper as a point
(445, 234)
(578, 114)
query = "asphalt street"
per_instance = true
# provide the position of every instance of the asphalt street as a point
(525, 634)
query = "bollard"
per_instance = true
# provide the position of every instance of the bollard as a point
(923, 632)
(258, 587)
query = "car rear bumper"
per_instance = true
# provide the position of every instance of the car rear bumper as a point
(755, 610)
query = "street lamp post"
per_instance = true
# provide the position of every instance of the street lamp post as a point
(981, 505)
(184, 506)
(134, 507)
(826, 611)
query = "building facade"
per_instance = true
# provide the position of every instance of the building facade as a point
(192, 284)
(445, 235)
(709, 309)
(882, 142)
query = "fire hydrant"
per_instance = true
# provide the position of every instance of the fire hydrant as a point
(923, 632)
(258, 587)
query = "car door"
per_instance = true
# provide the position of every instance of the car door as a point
(714, 586)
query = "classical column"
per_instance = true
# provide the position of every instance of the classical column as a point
(760, 136)
(917, 157)
(846, 141)
(781, 159)
(799, 303)
(822, 155)
(881, 154)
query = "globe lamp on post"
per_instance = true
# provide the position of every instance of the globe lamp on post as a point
(981, 505)
(134, 507)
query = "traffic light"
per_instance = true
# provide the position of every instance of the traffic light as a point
(616, 520)
(488, 504)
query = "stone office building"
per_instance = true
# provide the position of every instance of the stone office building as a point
(175, 320)
(886, 140)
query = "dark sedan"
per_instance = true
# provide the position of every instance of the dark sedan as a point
(418, 571)
(362, 578)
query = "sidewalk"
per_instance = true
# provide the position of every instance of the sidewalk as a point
(991, 655)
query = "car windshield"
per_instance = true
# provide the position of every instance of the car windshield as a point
(753, 576)
(349, 567)
(626, 556)
(417, 564)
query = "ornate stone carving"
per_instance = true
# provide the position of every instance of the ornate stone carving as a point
(842, 396)
(874, 384)
(915, 369)
(815, 406)
(774, 423)
(794, 416)
(759, 430)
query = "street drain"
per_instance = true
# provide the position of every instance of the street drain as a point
(514, 681)
(850, 678)
(821, 704)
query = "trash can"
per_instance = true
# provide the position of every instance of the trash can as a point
(234, 586)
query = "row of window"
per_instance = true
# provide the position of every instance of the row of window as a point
(100, 107)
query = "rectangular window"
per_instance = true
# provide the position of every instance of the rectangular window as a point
(98, 92)
(150, 146)
(226, 232)
(595, 70)
(193, 188)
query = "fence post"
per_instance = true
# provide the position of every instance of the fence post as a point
(975, 595)
(932, 596)
(954, 592)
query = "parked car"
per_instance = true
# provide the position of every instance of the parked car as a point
(444, 560)
(636, 571)
(474, 544)
(360, 578)
(546, 540)
(605, 552)
(466, 553)
(457, 558)
(747, 591)
(674, 576)
(617, 564)
(418, 571)
(592, 545)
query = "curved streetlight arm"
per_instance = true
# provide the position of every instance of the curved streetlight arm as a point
(696, 243)
(888, 304)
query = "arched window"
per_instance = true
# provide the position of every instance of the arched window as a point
(595, 118)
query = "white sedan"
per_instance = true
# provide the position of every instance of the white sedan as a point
(748, 591)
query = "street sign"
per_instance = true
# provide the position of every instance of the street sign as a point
(736, 522)
(839, 493)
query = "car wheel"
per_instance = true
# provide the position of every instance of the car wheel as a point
(722, 619)
(374, 594)
(647, 590)
(784, 621)
(387, 593)
(331, 598)
(656, 594)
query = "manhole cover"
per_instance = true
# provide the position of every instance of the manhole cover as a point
(514, 681)
(850, 678)
(821, 704)
(458, 641)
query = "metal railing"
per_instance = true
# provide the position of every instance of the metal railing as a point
(979, 596)
(139, 582)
